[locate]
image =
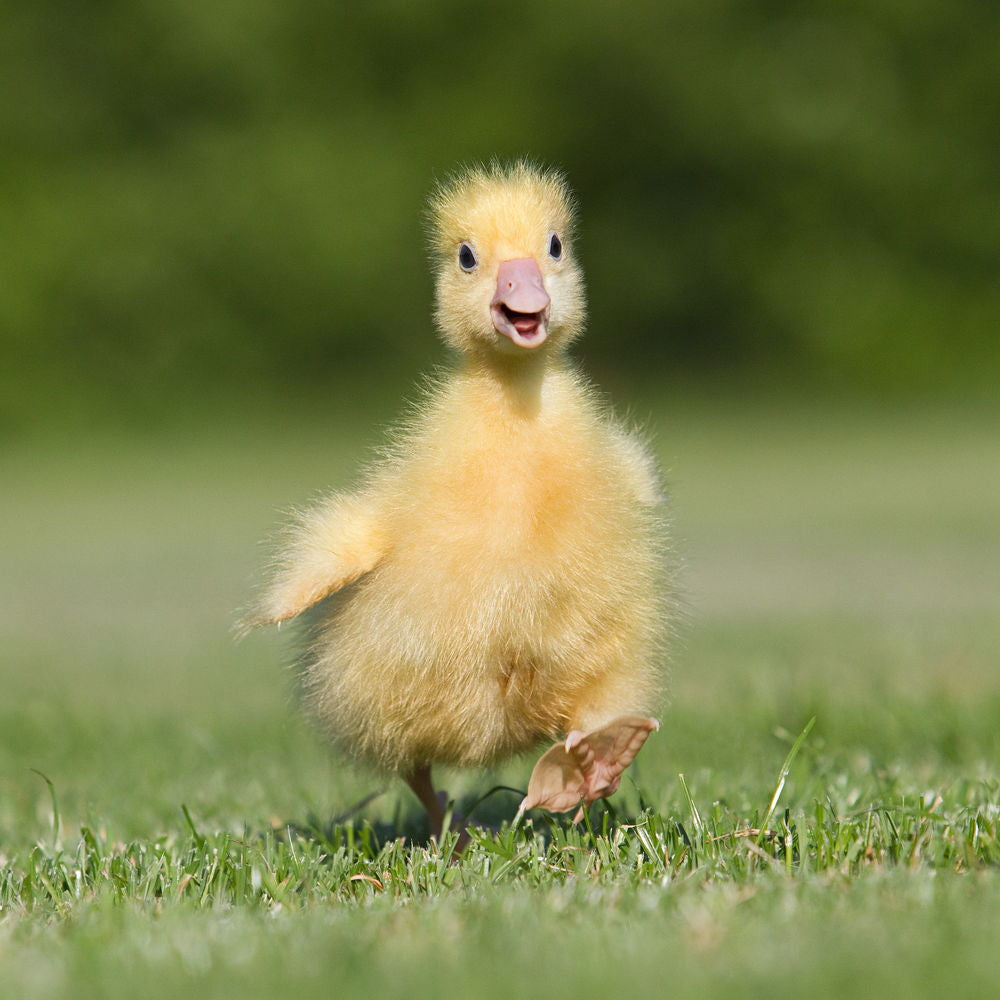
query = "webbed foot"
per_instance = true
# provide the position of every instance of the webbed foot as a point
(587, 767)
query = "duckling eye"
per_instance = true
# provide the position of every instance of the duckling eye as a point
(555, 247)
(466, 257)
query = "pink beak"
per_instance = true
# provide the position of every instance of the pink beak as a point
(520, 307)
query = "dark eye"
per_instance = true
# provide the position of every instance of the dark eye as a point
(555, 247)
(466, 257)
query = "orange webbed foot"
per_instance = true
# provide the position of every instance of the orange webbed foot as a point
(587, 767)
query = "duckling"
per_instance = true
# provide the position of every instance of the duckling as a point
(497, 574)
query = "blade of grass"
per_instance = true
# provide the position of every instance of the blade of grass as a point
(696, 821)
(55, 805)
(782, 776)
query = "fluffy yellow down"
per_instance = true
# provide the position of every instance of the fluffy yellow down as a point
(496, 581)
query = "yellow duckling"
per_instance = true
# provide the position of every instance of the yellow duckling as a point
(498, 572)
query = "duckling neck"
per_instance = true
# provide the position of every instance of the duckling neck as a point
(516, 381)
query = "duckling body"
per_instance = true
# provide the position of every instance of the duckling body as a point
(496, 578)
(513, 602)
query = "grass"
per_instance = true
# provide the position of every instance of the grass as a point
(169, 824)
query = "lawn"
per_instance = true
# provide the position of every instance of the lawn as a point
(169, 823)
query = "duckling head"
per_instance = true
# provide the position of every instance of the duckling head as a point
(508, 282)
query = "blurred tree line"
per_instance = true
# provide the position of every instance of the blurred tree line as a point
(205, 194)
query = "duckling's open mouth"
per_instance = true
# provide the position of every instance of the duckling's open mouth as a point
(528, 325)
(525, 329)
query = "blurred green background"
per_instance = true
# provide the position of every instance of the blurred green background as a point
(207, 201)
(213, 298)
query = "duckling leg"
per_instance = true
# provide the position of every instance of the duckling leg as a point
(436, 803)
(588, 766)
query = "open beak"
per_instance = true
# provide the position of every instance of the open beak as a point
(520, 307)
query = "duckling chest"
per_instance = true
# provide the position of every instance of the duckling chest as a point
(513, 505)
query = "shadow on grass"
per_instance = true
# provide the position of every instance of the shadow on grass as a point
(491, 812)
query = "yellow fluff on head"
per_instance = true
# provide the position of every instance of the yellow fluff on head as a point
(500, 202)
(500, 569)
(504, 212)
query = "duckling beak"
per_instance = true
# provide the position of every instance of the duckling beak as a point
(520, 307)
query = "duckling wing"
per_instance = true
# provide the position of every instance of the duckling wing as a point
(641, 474)
(328, 547)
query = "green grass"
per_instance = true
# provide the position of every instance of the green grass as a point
(169, 824)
